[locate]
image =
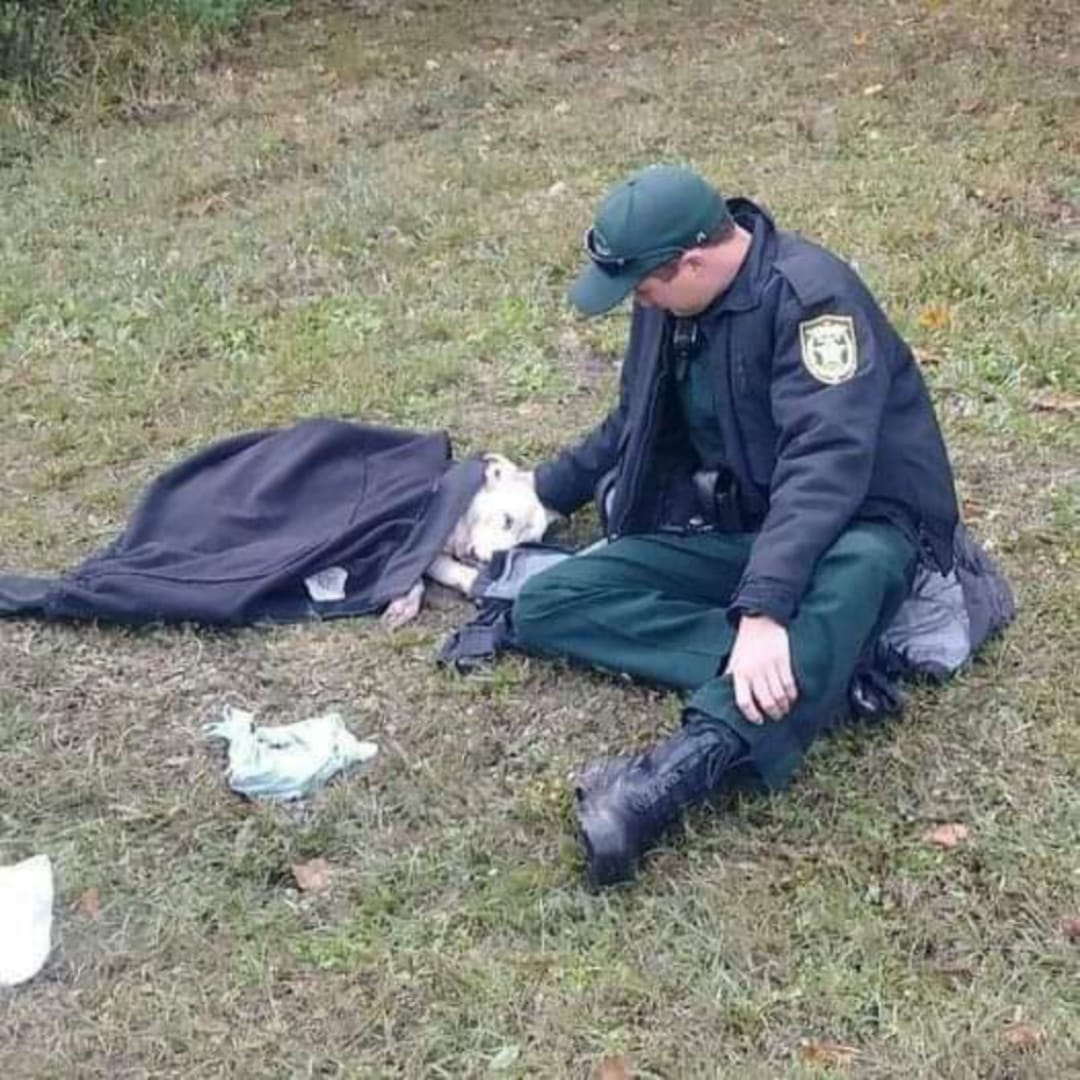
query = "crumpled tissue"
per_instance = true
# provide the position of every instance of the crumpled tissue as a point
(26, 902)
(286, 762)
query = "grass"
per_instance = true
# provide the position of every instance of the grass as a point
(65, 59)
(373, 211)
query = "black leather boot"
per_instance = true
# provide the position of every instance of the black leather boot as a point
(626, 803)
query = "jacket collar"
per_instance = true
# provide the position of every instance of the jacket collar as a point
(745, 290)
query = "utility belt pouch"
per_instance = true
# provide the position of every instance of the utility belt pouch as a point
(718, 499)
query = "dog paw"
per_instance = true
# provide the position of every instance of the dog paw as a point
(404, 609)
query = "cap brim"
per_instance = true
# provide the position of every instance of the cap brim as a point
(596, 291)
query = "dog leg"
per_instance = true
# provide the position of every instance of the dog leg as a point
(453, 574)
(404, 609)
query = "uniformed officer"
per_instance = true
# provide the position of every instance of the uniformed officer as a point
(776, 473)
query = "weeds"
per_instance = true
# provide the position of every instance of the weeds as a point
(52, 53)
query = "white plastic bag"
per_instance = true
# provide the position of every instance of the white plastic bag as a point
(286, 762)
(26, 901)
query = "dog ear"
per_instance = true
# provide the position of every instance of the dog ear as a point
(496, 467)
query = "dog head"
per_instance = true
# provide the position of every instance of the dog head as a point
(503, 513)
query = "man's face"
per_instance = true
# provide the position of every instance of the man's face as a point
(676, 287)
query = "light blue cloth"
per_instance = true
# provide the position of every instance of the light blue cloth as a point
(286, 762)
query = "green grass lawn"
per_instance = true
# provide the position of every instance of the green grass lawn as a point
(373, 210)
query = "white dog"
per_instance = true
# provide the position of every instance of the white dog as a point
(503, 513)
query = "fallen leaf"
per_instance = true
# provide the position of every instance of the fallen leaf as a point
(972, 510)
(1057, 401)
(1071, 929)
(860, 39)
(89, 904)
(823, 1052)
(873, 91)
(432, 65)
(206, 204)
(926, 358)
(312, 876)
(557, 189)
(561, 108)
(935, 316)
(1021, 1036)
(956, 969)
(613, 1067)
(947, 836)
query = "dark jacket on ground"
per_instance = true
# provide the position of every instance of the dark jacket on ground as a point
(231, 534)
(808, 456)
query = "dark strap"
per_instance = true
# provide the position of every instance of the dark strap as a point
(489, 633)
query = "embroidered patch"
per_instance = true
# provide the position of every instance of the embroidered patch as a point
(829, 349)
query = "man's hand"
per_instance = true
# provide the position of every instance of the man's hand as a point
(760, 665)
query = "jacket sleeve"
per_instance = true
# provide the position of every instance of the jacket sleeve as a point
(569, 480)
(828, 415)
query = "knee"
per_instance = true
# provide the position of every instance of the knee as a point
(873, 554)
(539, 604)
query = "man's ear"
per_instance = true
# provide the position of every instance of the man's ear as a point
(693, 260)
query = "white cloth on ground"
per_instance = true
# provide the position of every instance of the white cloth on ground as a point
(26, 901)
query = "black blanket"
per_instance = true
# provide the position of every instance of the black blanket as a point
(231, 534)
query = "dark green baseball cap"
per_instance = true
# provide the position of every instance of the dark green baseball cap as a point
(649, 219)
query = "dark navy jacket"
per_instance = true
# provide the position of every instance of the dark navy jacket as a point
(230, 534)
(809, 455)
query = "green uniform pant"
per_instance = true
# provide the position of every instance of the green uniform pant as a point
(654, 607)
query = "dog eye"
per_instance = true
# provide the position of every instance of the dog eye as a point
(508, 522)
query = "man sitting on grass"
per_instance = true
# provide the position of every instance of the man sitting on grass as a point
(779, 475)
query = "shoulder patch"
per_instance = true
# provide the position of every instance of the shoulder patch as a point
(830, 351)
